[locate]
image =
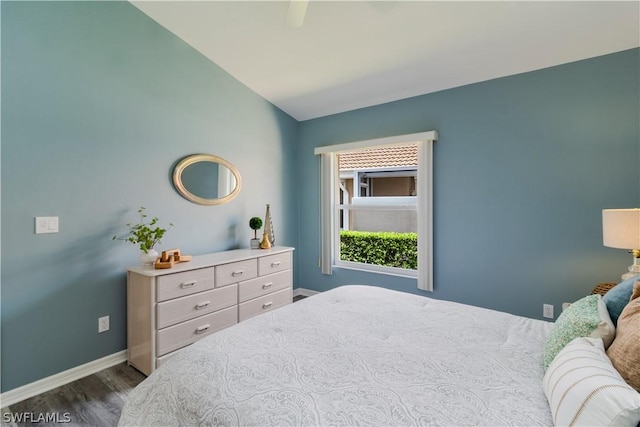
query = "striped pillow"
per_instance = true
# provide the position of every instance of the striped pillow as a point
(584, 389)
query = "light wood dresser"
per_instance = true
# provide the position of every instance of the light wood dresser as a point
(170, 309)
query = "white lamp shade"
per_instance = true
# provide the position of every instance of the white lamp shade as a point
(621, 228)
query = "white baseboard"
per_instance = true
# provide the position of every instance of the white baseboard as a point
(35, 388)
(304, 292)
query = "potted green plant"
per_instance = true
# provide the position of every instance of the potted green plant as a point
(146, 236)
(255, 223)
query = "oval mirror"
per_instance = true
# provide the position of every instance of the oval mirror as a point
(206, 179)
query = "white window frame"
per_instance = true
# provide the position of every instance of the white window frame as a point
(329, 206)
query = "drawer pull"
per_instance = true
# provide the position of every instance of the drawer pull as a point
(267, 285)
(275, 263)
(267, 305)
(185, 285)
(237, 273)
(202, 329)
(202, 305)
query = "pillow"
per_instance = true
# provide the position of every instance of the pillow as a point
(584, 389)
(625, 350)
(587, 317)
(618, 297)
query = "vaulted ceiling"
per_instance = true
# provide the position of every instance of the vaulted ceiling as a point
(353, 54)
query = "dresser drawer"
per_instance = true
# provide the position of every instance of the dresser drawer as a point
(263, 285)
(180, 309)
(235, 272)
(184, 283)
(274, 263)
(177, 336)
(263, 304)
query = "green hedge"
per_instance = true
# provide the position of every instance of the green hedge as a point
(380, 248)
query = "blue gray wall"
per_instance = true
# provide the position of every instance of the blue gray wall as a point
(98, 103)
(523, 167)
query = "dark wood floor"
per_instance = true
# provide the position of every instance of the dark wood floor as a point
(96, 400)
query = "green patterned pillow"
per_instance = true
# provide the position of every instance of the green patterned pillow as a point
(587, 317)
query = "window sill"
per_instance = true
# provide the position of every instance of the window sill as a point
(378, 269)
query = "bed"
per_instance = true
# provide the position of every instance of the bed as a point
(355, 355)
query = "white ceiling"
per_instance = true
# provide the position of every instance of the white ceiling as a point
(353, 54)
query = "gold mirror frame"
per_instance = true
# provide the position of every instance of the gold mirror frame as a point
(196, 158)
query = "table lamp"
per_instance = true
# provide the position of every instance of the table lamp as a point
(621, 229)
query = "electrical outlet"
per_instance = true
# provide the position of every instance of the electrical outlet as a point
(547, 311)
(103, 324)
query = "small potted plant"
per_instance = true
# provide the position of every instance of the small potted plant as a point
(146, 236)
(255, 223)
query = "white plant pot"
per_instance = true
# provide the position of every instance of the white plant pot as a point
(255, 243)
(149, 258)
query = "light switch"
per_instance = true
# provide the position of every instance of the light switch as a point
(46, 224)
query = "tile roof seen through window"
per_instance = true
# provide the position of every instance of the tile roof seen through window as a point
(377, 158)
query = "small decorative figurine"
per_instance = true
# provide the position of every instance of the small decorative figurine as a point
(265, 244)
(268, 226)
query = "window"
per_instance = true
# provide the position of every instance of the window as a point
(373, 187)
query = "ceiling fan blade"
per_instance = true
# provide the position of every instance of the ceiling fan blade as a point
(296, 13)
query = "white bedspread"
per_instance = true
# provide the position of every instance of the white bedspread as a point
(356, 355)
